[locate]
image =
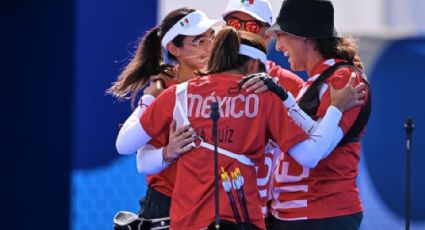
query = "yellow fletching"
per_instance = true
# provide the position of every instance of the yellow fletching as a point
(238, 171)
(224, 175)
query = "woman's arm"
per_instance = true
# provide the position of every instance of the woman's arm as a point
(131, 133)
(310, 152)
(151, 160)
(325, 133)
(344, 99)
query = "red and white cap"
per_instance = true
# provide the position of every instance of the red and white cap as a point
(192, 24)
(259, 9)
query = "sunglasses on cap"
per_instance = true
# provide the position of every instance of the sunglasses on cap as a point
(252, 26)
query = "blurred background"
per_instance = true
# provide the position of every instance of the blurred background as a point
(59, 166)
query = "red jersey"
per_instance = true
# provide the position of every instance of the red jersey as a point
(293, 84)
(247, 122)
(329, 189)
(288, 80)
(264, 174)
(163, 181)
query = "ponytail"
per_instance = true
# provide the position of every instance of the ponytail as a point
(147, 61)
(225, 51)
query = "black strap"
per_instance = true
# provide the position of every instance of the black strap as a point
(310, 102)
(354, 133)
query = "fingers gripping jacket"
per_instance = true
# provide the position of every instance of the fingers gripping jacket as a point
(271, 85)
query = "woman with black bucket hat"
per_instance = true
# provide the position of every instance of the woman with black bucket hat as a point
(326, 196)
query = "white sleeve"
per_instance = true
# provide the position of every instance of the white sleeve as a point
(149, 160)
(132, 136)
(309, 152)
(307, 123)
(298, 115)
(337, 138)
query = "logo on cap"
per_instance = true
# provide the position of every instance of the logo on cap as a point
(184, 22)
(247, 2)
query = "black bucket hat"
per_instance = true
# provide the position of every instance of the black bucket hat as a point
(305, 18)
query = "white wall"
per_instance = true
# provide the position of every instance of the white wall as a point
(407, 15)
(359, 16)
(387, 18)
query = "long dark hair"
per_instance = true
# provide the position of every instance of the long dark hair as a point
(342, 47)
(225, 51)
(148, 59)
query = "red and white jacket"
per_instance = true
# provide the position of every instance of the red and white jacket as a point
(329, 189)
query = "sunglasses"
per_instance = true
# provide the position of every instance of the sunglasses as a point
(252, 26)
(202, 41)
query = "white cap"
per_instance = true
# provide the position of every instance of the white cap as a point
(192, 24)
(259, 9)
